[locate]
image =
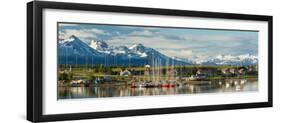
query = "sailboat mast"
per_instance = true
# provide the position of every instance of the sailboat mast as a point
(76, 60)
(160, 70)
(153, 68)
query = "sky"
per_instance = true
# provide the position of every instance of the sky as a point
(187, 43)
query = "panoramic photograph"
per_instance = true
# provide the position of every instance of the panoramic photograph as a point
(105, 61)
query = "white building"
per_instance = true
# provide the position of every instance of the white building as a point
(125, 73)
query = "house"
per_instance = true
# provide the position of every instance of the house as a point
(147, 66)
(198, 77)
(199, 71)
(80, 81)
(225, 71)
(205, 71)
(125, 73)
(242, 71)
(233, 71)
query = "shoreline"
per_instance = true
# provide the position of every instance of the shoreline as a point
(122, 83)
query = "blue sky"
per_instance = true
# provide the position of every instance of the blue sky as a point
(196, 44)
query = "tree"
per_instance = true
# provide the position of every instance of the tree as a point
(66, 76)
(91, 78)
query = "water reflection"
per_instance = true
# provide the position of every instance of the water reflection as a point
(233, 85)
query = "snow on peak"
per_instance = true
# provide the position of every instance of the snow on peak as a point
(73, 45)
(137, 46)
(143, 55)
(70, 39)
(73, 37)
(248, 56)
(244, 59)
(121, 50)
(99, 45)
(226, 57)
(140, 50)
(237, 58)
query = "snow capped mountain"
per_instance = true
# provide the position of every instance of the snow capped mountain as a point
(137, 50)
(74, 46)
(99, 46)
(75, 51)
(185, 60)
(121, 50)
(140, 50)
(138, 47)
(245, 59)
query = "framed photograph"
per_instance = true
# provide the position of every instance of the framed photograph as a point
(95, 61)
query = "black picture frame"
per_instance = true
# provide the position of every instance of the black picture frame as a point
(35, 69)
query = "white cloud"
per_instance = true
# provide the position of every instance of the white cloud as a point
(137, 27)
(178, 53)
(220, 38)
(157, 41)
(97, 31)
(177, 43)
(67, 25)
(143, 33)
(83, 34)
(147, 37)
(191, 47)
(163, 44)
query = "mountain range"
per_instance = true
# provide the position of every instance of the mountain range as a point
(245, 60)
(75, 51)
